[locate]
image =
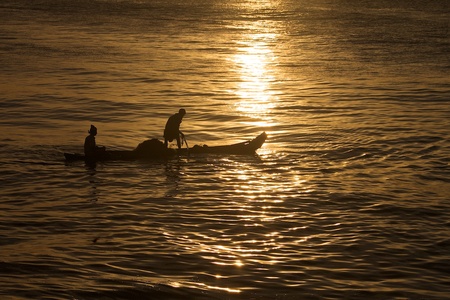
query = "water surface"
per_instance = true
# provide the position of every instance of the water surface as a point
(348, 198)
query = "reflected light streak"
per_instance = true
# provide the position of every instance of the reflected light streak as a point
(255, 86)
(254, 61)
(229, 290)
(202, 286)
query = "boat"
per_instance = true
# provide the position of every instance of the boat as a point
(154, 149)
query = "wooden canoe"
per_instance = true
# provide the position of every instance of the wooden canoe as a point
(154, 149)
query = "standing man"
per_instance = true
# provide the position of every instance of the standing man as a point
(172, 130)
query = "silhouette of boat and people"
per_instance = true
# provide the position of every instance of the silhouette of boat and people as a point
(155, 148)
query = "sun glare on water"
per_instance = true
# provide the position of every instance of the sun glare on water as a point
(254, 63)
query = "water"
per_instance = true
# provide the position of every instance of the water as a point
(348, 198)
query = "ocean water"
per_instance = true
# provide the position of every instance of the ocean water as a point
(349, 198)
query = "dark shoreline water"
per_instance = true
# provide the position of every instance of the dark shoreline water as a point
(347, 199)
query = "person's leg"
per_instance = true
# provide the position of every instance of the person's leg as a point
(166, 143)
(178, 142)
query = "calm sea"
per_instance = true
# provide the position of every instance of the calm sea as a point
(348, 199)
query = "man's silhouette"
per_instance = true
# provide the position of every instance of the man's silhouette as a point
(172, 130)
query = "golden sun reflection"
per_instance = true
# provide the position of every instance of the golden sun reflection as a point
(242, 236)
(254, 64)
(202, 286)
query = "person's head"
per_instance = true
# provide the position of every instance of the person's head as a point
(93, 130)
(182, 111)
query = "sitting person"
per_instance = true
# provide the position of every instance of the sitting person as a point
(90, 147)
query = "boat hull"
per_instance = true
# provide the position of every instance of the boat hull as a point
(154, 149)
